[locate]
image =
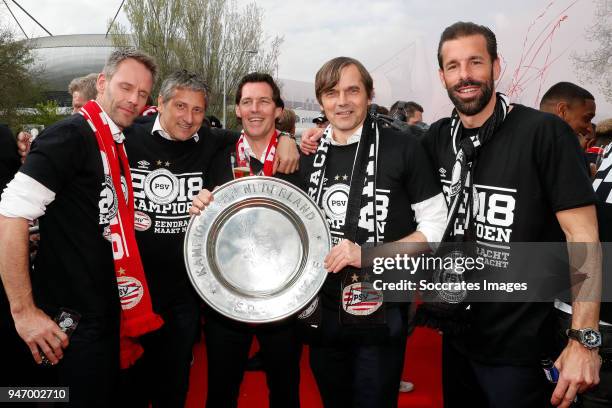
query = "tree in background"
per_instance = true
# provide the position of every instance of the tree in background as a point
(211, 37)
(18, 87)
(596, 66)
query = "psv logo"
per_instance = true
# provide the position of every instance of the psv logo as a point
(130, 291)
(335, 201)
(161, 186)
(361, 299)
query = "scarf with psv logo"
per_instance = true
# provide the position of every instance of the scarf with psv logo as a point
(137, 316)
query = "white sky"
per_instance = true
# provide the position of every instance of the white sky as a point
(395, 39)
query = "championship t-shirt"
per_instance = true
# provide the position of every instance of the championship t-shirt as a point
(74, 266)
(166, 175)
(530, 169)
(403, 178)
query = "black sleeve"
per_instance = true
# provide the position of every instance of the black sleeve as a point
(225, 137)
(9, 158)
(220, 169)
(297, 178)
(56, 155)
(419, 179)
(428, 140)
(560, 164)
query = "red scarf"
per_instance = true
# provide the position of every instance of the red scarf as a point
(149, 110)
(137, 316)
(268, 164)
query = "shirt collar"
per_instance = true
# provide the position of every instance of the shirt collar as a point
(157, 127)
(354, 138)
(249, 152)
(117, 133)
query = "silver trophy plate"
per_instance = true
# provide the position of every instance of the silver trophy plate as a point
(255, 254)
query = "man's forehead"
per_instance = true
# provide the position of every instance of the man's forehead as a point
(256, 90)
(188, 96)
(128, 72)
(475, 44)
(349, 77)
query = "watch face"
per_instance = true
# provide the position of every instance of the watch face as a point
(591, 338)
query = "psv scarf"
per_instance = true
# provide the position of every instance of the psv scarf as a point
(268, 164)
(444, 312)
(466, 153)
(360, 213)
(137, 316)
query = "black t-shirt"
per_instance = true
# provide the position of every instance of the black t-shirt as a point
(74, 266)
(166, 174)
(603, 187)
(531, 169)
(9, 158)
(403, 178)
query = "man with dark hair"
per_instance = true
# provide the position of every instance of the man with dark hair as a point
(357, 356)
(574, 104)
(409, 112)
(228, 341)
(76, 181)
(496, 361)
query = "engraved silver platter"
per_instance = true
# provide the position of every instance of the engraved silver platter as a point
(256, 253)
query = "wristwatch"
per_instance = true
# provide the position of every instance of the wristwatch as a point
(589, 338)
(292, 136)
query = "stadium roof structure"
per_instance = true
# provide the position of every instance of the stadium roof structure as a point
(64, 57)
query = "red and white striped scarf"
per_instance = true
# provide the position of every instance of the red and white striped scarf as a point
(268, 163)
(137, 316)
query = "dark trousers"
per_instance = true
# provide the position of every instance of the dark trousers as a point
(18, 365)
(601, 395)
(351, 373)
(227, 349)
(467, 383)
(90, 366)
(161, 375)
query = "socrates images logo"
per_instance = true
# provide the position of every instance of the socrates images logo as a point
(130, 291)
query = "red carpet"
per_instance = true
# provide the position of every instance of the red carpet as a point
(422, 367)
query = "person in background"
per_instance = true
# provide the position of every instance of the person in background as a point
(286, 121)
(321, 121)
(82, 90)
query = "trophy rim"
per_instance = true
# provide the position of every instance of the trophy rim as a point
(260, 300)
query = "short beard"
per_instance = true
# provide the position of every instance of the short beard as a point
(477, 105)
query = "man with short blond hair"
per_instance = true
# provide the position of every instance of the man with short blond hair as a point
(72, 182)
(82, 89)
